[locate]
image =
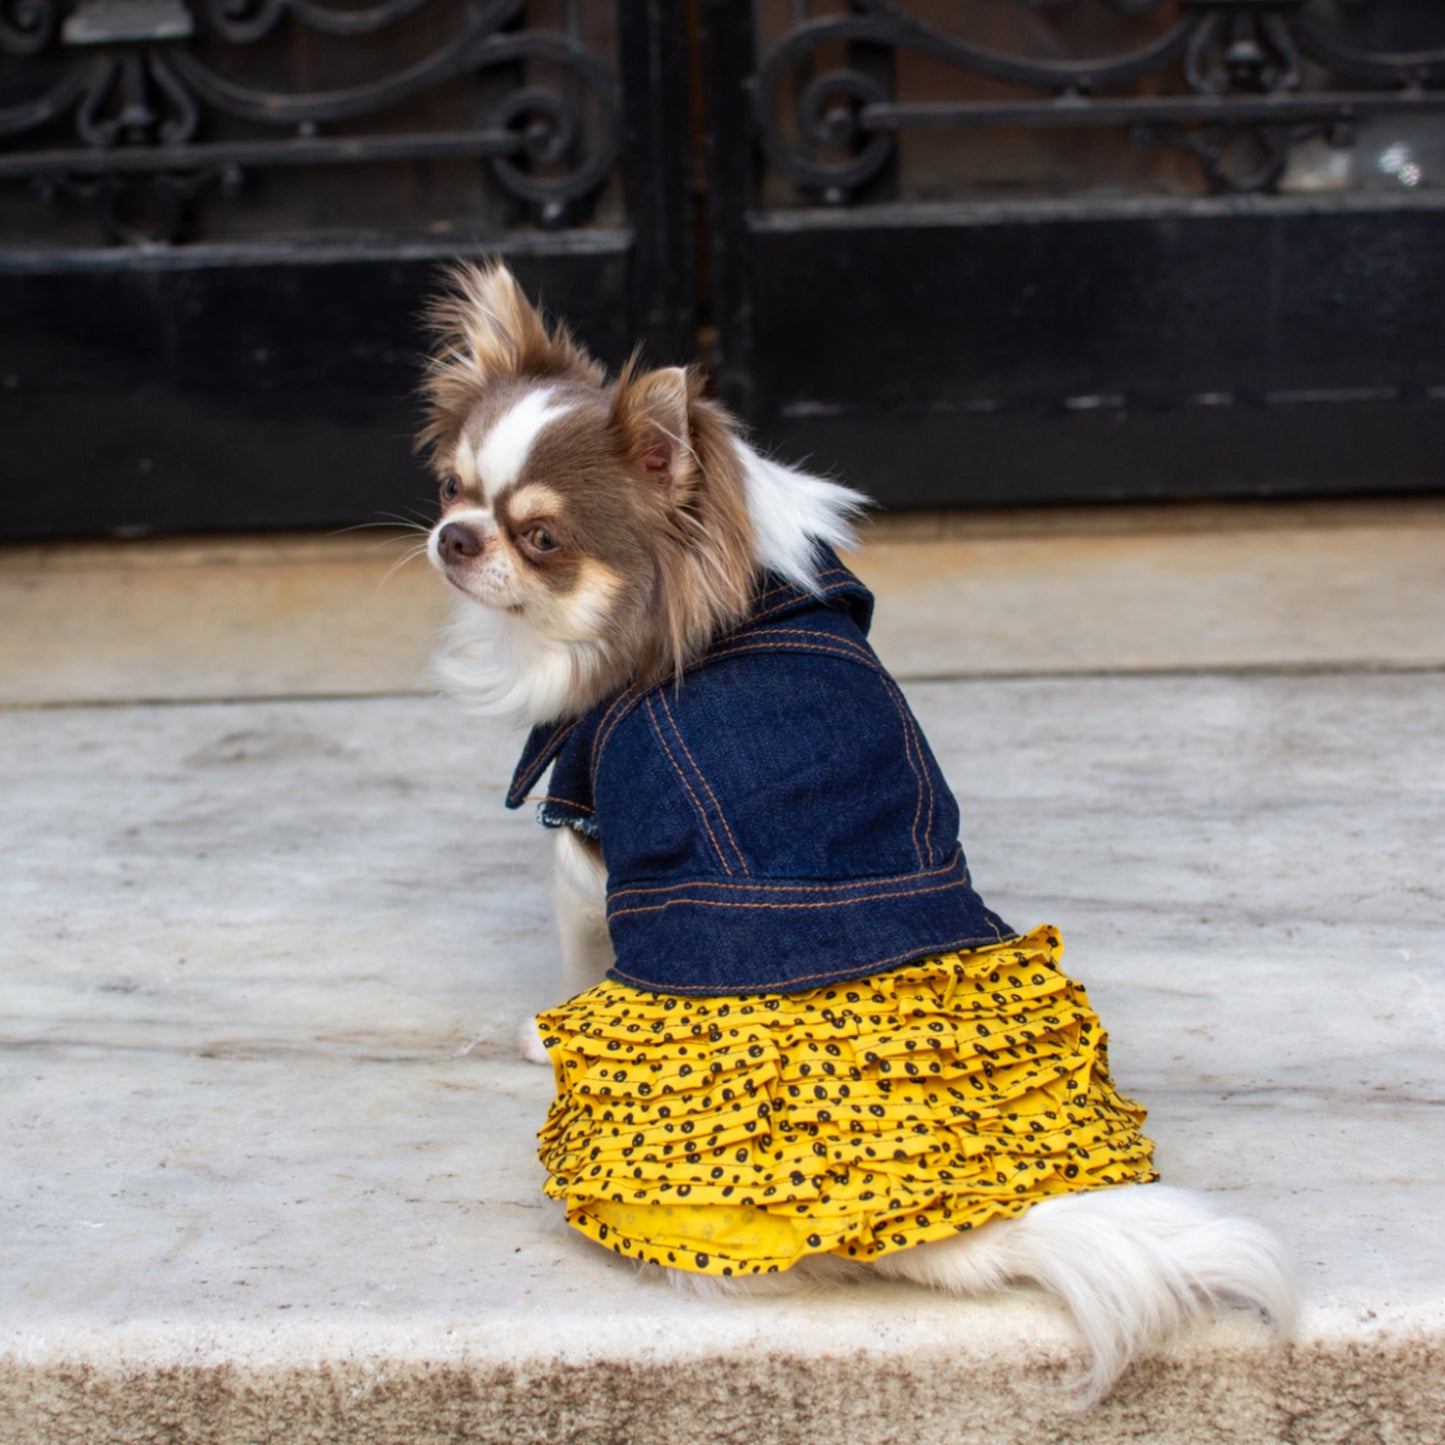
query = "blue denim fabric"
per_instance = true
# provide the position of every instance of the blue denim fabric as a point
(772, 821)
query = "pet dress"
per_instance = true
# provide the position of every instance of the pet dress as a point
(735, 1135)
(816, 1037)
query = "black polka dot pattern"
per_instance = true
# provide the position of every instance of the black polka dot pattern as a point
(736, 1135)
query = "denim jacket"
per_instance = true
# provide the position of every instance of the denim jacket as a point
(773, 820)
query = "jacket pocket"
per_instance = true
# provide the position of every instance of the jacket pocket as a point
(806, 764)
(701, 796)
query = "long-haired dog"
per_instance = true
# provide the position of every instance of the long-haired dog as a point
(658, 588)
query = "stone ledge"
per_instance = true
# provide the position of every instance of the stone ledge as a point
(1326, 585)
(911, 1382)
(268, 1160)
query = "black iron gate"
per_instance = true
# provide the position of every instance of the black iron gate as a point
(220, 218)
(967, 251)
(1041, 251)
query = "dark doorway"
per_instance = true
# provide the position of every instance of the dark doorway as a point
(966, 251)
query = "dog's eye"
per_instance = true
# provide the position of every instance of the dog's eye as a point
(450, 489)
(542, 540)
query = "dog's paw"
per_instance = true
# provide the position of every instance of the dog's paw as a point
(529, 1043)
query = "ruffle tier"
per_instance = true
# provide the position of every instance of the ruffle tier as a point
(736, 1135)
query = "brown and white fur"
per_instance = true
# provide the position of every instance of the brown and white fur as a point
(609, 530)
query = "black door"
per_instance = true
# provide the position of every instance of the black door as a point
(1001, 251)
(218, 219)
(966, 251)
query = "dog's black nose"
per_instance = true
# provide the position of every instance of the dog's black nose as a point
(455, 541)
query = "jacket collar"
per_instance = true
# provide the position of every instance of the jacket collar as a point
(837, 587)
(775, 599)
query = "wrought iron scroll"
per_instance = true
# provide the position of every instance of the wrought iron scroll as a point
(1243, 63)
(139, 92)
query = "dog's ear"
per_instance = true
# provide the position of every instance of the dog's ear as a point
(483, 322)
(651, 411)
(484, 331)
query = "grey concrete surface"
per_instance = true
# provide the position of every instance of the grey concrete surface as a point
(1341, 584)
(268, 1165)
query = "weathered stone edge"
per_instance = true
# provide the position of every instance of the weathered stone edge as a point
(1344, 1390)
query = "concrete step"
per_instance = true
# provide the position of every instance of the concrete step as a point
(1341, 584)
(268, 1158)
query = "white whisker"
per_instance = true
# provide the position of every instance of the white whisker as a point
(410, 555)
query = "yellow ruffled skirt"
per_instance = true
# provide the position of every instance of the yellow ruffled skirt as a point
(736, 1135)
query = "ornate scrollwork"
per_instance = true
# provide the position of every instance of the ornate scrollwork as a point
(27, 26)
(1230, 53)
(49, 105)
(1245, 107)
(829, 112)
(140, 107)
(1236, 51)
(123, 104)
(244, 21)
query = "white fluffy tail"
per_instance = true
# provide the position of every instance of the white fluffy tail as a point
(1133, 1266)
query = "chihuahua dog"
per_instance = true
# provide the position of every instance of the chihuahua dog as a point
(795, 1033)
